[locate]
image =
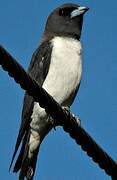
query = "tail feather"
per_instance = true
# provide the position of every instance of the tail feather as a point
(19, 139)
(21, 154)
(32, 165)
(28, 167)
(25, 164)
(16, 149)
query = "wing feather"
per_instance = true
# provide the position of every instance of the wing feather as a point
(38, 70)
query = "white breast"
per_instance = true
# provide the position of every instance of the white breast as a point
(65, 69)
(62, 80)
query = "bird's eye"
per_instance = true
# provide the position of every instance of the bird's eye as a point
(65, 12)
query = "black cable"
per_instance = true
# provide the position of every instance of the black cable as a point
(62, 116)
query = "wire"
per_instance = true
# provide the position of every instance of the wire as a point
(61, 116)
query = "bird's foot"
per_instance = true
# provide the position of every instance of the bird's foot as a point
(52, 122)
(77, 119)
(71, 115)
(67, 109)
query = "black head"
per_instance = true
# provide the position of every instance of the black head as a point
(66, 20)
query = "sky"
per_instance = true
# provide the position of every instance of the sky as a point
(60, 158)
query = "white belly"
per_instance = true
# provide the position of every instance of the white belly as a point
(65, 69)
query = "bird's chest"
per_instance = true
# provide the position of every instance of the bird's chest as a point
(66, 57)
(65, 68)
(66, 63)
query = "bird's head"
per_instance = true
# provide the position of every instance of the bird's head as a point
(66, 20)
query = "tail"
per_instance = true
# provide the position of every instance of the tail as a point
(24, 163)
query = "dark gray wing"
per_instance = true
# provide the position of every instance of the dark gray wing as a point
(38, 70)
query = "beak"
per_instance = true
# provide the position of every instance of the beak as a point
(79, 11)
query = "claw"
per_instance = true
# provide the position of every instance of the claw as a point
(73, 115)
(52, 122)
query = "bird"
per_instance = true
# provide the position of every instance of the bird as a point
(56, 65)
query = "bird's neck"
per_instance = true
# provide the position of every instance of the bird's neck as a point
(50, 35)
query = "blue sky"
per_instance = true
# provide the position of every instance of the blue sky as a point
(22, 24)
